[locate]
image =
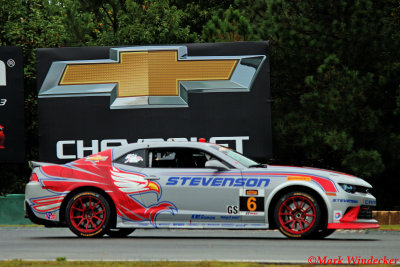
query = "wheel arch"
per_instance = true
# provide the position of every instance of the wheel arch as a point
(110, 201)
(278, 192)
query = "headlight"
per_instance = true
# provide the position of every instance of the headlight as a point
(350, 188)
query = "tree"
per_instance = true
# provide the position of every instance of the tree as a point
(334, 80)
(229, 25)
(125, 22)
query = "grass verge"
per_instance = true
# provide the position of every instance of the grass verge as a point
(392, 227)
(64, 263)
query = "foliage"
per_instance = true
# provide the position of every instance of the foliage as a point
(230, 25)
(125, 23)
(335, 85)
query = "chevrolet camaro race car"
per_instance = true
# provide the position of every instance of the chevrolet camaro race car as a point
(193, 185)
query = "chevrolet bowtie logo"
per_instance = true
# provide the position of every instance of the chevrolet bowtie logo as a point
(144, 77)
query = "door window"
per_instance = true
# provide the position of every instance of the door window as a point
(178, 158)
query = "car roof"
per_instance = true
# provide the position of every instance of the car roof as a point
(149, 144)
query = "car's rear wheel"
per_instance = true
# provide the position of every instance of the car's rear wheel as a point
(297, 214)
(120, 232)
(88, 214)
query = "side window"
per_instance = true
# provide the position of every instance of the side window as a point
(177, 158)
(162, 158)
(134, 158)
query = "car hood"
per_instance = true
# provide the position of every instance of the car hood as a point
(333, 175)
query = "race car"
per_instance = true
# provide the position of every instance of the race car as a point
(193, 185)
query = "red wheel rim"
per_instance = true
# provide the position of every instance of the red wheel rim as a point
(87, 214)
(297, 214)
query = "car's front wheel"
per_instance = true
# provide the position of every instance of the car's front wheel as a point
(297, 214)
(88, 214)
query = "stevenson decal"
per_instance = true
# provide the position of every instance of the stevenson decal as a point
(216, 181)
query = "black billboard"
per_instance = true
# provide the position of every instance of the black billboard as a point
(93, 98)
(12, 145)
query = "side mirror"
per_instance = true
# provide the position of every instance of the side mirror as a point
(215, 164)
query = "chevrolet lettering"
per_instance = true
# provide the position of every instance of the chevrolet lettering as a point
(94, 146)
(193, 185)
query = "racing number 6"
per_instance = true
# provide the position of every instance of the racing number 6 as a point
(251, 204)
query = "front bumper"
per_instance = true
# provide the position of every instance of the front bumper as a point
(359, 217)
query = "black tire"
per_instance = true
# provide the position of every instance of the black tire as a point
(88, 214)
(322, 233)
(120, 232)
(297, 215)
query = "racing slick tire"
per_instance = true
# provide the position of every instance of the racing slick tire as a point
(88, 214)
(120, 232)
(297, 215)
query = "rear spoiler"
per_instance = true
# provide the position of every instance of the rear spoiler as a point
(34, 164)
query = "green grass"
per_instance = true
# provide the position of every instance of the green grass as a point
(17, 263)
(20, 225)
(394, 227)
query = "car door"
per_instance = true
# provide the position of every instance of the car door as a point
(203, 197)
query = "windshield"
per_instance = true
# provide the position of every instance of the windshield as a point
(236, 156)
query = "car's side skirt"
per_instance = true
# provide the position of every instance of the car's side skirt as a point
(176, 225)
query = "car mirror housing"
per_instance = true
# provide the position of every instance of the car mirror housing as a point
(215, 164)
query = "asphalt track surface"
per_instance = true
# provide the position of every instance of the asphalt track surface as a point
(38, 243)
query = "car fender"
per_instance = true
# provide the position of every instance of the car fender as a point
(307, 184)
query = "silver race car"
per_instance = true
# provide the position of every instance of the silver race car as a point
(193, 185)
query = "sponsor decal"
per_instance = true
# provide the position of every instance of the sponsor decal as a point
(233, 209)
(133, 158)
(341, 200)
(252, 192)
(3, 80)
(2, 137)
(218, 181)
(251, 205)
(337, 215)
(369, 202)
(12, 143)
(225, 217)
(298, 178)
(50, 216)
(201, 225)
(151, 76)
(202, 217)
(95, 146)
(96, 158)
